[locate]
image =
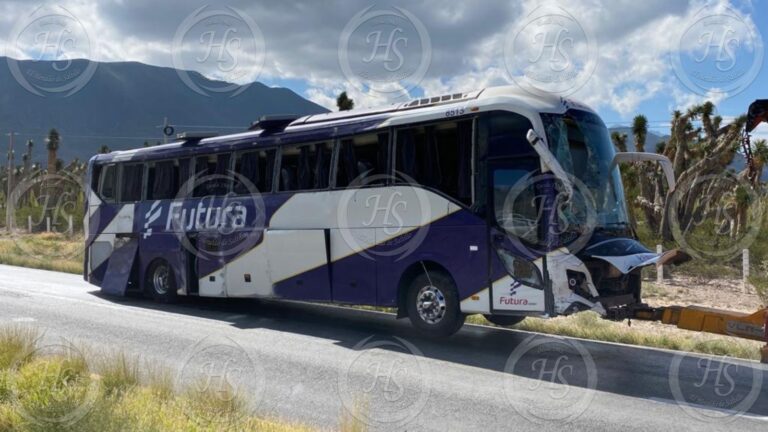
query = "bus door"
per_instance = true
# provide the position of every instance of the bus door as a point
(298, 264)
(516, 263)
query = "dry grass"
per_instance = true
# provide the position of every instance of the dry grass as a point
(589, 325)
(15, 343)
(721, 293)
(64, 392)
(47, 251)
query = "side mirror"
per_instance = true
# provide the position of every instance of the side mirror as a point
(664, 161)
(550, 161)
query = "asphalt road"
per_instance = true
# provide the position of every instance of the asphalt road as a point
(319, 364)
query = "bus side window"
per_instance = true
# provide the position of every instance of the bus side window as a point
(212, 175)
(437, 156)
(133, 179)
(95, 177)
(305, 167)
(363, 160)
(185, 180)
(251, 172)
(163, 180)
(507, 134)
(108, 184)
(269, 171)
(289, 169)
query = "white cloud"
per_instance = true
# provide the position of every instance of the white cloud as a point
(302, 39)
(761, 132)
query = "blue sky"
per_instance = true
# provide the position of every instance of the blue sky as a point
(622, 57)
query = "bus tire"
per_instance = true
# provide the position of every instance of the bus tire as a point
(432, 303)
(161, 282)
(504, 320)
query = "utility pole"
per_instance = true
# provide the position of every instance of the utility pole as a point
(11, 167)
(167, 129)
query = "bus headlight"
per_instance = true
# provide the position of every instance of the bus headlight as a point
(520, 268)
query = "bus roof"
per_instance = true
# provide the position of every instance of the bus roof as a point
(417, 110)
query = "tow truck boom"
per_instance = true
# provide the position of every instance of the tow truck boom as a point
(702, 319)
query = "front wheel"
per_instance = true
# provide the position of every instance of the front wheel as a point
(504, 320)
(433, 304)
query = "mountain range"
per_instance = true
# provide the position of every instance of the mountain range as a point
(122, 104)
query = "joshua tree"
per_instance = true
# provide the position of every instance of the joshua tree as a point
(344, 102)
(52, 142)
(640, 132)
(649, 204)
(695, 152)
(620, 141)
(760, 157)
(28, 159)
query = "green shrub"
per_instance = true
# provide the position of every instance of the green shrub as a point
(53, 393)
(5, 386)
(16, 344)
(118, 373)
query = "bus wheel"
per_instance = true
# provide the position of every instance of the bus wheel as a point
(161, 282)
(433, 304)
(504, 320)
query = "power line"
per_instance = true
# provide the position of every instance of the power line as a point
(135, 137)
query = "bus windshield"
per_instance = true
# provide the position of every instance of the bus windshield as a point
(583, 146)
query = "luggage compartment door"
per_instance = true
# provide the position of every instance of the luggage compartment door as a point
(298, 264)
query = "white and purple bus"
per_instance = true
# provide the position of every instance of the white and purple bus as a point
(495, 202)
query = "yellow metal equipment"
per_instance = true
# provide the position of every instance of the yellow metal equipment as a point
(702, 319)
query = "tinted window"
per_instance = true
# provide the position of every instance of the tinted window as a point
(507, 134)
(108, 186)
(132, 183)
(212, 175)
(361, 158)
(437, 156)
(95, 177)
(255, 167)
(163, 180)
(515, 199)
(305, 167)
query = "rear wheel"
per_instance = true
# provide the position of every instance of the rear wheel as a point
(161, 283)
(504, 320)
(433, 304)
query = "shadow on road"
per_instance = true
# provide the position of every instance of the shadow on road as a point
(721, 384)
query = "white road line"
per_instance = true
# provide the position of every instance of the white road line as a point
(726, 412)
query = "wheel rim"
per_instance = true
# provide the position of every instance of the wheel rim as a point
(161, 279)
(430, 303)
